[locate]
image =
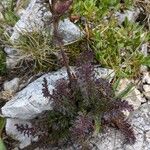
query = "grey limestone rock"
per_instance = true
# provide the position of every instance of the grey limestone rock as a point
(11, 130)
(134, 97)
(146, 78)
(29, 102)
(12, 85)
(130, 14)
(147, 91)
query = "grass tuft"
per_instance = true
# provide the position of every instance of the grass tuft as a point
(37, 47)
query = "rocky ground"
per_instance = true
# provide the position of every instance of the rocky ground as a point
(21, 99)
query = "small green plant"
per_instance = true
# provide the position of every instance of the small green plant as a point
(86, 8)
(36, 47)
(95, 10)
(82, 105)
(119, 47)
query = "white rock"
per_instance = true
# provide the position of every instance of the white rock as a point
(10, 51)
(138, 144)
(30, 102)
(36, 17)
(33, 19)
(12, 131)
(69, 31)
(144, 49)
(130, 14)
(146, 77)
(140, 118)
(122, 85)
(147, 91)
(141, 123)
(12, 61)
(12, 85)
(143, 68)
(134, 97)
(110, 140)
(113, 140)
(104, 73)
(148, 136)
(13, 57)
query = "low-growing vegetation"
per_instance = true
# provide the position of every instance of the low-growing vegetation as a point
(115, 46)
(119, 48)
(95, 10)
(84, 104)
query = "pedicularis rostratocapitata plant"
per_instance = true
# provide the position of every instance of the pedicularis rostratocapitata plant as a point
(83, 104)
